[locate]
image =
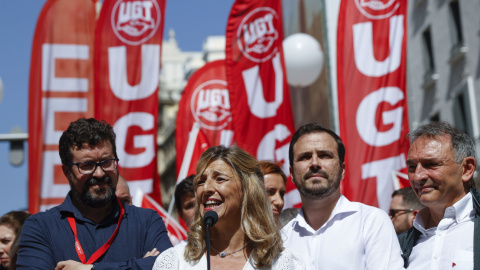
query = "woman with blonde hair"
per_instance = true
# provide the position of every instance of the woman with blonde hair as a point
(245, 236)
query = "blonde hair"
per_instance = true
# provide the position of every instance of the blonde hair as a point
(257, 220)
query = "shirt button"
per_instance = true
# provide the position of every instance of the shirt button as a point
(435, 257)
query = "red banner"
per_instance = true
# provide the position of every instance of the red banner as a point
(371, 70)
(61, 91)
(204, 118)
(127, 67)
(259, 93)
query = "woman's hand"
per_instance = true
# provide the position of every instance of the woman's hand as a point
(153, 252)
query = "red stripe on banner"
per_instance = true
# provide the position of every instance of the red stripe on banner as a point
(127, 67)
(371, 70)
(256, 76)
(52, 201)
(204, 118)
(60, 91)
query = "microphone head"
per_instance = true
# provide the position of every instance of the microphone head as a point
(210, 218)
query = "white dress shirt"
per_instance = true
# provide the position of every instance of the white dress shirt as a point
(356, 236)
(450, 244)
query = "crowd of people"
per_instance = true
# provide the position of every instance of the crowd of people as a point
(432, 224)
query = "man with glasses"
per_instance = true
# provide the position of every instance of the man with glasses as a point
(403, 209)
(91, 229)
(445, 234)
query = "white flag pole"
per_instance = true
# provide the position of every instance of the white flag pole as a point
(187, 159)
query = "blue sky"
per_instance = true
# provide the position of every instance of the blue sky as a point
(192, 21)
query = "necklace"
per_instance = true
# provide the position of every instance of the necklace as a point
(223, 254)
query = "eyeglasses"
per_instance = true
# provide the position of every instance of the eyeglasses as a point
(393, 212)
(89, 167)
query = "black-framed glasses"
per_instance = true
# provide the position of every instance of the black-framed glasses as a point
(89, 167)
(393, 212)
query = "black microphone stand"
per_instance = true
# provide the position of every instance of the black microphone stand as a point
(208, 244)
(209, 219)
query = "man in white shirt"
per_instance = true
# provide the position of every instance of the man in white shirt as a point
(330, 232)
(441, 163)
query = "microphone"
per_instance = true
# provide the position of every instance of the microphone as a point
(209, 219)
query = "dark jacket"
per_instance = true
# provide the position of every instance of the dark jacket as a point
(410, 237)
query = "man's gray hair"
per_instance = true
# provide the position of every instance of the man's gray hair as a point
(463, 145)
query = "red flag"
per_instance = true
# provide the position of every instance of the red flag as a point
(371, 70)
(175, 231)
(400, 180)
(204, 118)
(127, 67)
(257, 82)
(61, 91)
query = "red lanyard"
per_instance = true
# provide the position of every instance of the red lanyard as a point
(102, 249)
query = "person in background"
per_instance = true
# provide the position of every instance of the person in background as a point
(185, 199)
(14, 253)
(91, 229)
(10, 226)
(122, 191)
(441, 164)
(403, 209)
(229, 182)
(330, 232)
(274, 180)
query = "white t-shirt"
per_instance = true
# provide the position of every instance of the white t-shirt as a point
(356, 236)
(173, 258)
(450, 244)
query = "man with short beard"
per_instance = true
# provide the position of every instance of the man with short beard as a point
(92, 228)
(330, 232)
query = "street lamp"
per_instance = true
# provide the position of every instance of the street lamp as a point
(16, 138)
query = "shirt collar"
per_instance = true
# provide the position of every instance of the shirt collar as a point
(463, 208)
(343, 205)
(460, 212)
(67, 207)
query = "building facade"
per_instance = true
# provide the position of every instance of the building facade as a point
(177, 67)
(444, 63)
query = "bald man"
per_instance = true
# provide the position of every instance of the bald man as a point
(123, 191)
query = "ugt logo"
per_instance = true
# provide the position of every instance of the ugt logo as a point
(257, 35)
(135, 22)
(210, 105)
(377, 9)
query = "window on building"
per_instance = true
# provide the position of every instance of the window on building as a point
(462, 114)
(435, 118)
(428, 61)
(456, 32)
